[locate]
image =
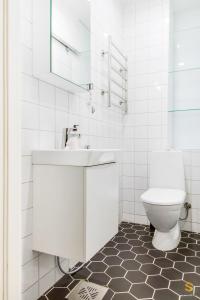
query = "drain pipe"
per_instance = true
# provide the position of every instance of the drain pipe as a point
(72, 271)
(187, 207)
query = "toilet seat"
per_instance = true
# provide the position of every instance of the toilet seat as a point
(163, 196)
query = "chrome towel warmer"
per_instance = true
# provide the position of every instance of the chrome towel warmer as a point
(121, 70)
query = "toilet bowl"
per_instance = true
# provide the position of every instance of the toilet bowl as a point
(165, 197)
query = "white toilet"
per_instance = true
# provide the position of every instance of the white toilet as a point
(165, 197)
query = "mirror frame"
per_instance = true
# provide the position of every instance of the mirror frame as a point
(42, 49)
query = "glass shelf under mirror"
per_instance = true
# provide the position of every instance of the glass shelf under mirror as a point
(183, 110)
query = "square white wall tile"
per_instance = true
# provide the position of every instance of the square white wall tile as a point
(32, 293)
(27, 195)
(29, 274)
(27, 222)
(27, 253)
(47, 94)
(47, 119)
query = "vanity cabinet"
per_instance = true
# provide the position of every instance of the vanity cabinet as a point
(75, 209)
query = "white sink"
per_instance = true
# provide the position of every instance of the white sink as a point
(81, 157)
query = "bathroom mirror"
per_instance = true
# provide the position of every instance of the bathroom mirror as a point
(61, 43)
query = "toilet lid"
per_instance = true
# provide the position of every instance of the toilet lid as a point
(163, 196)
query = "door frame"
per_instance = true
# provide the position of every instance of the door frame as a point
(10, 150)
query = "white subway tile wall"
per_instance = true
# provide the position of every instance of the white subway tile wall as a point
(46, 110)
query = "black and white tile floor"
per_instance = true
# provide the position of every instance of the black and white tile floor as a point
(132, 269)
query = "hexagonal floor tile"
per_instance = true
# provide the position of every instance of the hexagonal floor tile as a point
(134, 269)
(131, 264)
(139, 250)
(110, 244)
(97, 267)
(158, 282)
(142, 232)
(197, 292)
(98, 257)
(123, 247)
(146, 238)
(123, 296)
(119, 285)
(165, 295)
(187, 252)
(171, 274)
(188, 240)
(57, 293)
(178, 286)
(193, 260)
(182, 245)
(126, 255)
(131, 236)
(189, 298)
(163, 262)
(192, 277)
(195, 247)
(141, 291)
(148, 245)
(110, 251)
(116, 271)
(136, 276)
(82, 274)
(150, 269)
(195, 236)
(138, 227)
(175, 256)
(108, 295)
(184, 267)
(144, 259)
(113, 261)
(126, 225)
(135, 242)
(128, 230)
(64, 281)
(99, 278)
(120, 240)
(156, 253)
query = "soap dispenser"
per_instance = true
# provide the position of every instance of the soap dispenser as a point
(73, 138)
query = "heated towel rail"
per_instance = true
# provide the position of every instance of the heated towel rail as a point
(117, 76)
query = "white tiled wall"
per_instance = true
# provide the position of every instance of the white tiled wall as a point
(146, 31)
(46, 110)
(145, 126)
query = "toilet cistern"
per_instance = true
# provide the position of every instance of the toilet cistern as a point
(165, 197)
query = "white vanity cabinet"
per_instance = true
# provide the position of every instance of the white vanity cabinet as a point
(75, 206)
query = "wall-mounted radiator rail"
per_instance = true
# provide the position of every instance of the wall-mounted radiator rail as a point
(117, 76)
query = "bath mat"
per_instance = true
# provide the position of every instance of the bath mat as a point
(87, 291)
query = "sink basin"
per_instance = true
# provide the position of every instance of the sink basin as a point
(81, 157)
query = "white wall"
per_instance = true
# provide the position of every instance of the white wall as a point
(145, 126)
(146, 31)
(46, 110)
